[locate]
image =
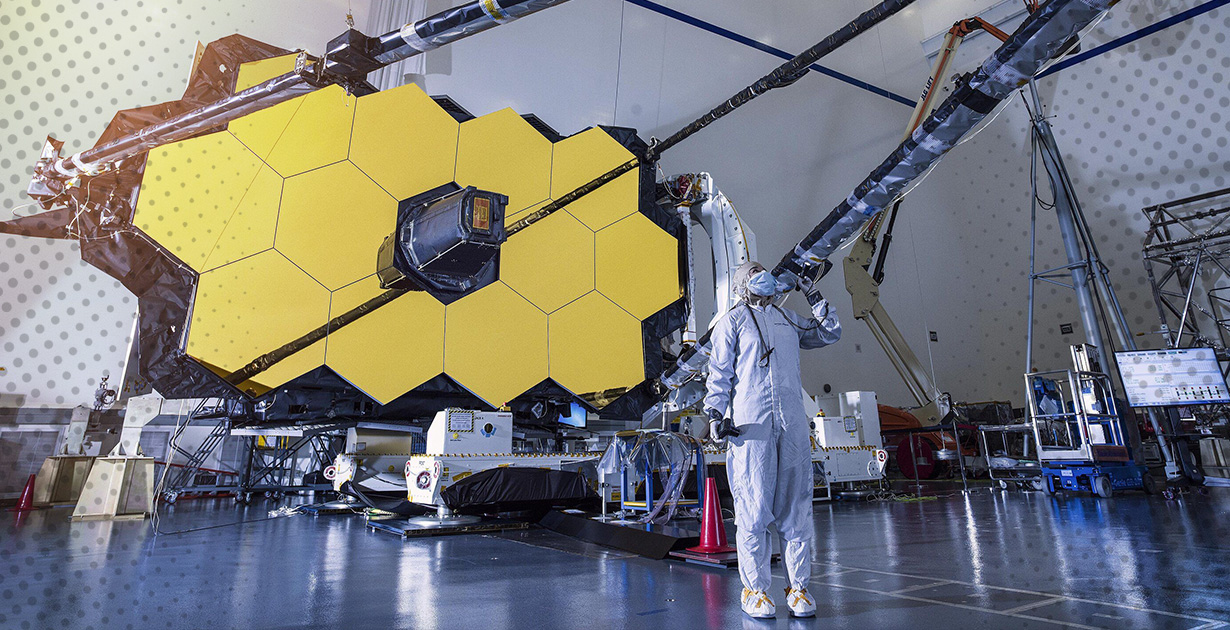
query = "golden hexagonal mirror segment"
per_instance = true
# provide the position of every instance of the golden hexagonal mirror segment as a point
(191, 190)
(317, 134)
(502, 152)
(260, 130)
(638, 265)
(495, 344)
(404, 141)
(251, 227)
(250, 307)
(391, 351)
(550, 263)
(595, 346)
(332, 222)
(584, 156)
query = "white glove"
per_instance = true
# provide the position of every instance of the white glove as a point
(820, 310)
(715, 419)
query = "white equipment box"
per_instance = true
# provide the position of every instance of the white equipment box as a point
(462, 431)
(850, 419)
(373, 458)
(461, 443)
(846, 438)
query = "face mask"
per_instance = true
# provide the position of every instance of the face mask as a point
(762, 284)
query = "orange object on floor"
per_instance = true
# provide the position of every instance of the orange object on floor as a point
(26, 502)
(712, 529)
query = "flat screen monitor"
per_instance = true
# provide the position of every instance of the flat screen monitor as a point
(1184, 376)
(576, 416)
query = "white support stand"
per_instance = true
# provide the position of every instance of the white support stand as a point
(121, 484)
(62, 476)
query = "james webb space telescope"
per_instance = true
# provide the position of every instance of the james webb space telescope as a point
(447, 242)
(323, 251)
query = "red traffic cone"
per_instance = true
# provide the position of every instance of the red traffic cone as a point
(712, 528)
(26, 502)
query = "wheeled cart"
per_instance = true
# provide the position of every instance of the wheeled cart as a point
(1011, 462)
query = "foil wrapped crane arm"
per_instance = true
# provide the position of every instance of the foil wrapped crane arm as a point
(1039, 39)
(349, 58)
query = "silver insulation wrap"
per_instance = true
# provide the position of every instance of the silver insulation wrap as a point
(1039, 39)
(255, 98)
(468, 19)
(689, 366)
(427, 34)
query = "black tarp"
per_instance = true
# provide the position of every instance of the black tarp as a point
(511, 489)
(392, 502)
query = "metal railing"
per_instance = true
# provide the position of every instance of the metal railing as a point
(1074, 416)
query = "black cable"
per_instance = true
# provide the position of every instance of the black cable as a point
(885, 243)
(157, 532)
(764, 358)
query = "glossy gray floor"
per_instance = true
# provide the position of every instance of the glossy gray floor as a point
(982, 560)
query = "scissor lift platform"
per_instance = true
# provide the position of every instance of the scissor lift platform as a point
(1079, 435)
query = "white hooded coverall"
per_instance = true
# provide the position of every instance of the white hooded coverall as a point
(769, 464)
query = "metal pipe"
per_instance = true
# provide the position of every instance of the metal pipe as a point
(1191, 286)
(412, 39)
(1158, 301)
(1188, 241)
(1033, 250)
(1068, 230)
(914, 465)
(956, 438)
(1187, 200)
(688, 337)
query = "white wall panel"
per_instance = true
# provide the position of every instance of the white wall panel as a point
(1143, 124)
(559, 64)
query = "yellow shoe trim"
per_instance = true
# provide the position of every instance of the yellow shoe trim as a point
(799, 593)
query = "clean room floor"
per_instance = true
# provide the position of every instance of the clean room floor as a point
(987, 559)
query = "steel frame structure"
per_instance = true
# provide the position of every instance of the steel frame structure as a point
(183, 478)
(273, 468)
(264, 468)
(1187, 259)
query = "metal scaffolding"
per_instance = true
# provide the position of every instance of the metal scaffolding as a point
(272, 461)
(190, 476)
(1187, 259)
(287, 463)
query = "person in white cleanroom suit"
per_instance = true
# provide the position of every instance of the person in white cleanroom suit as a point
(754, 372)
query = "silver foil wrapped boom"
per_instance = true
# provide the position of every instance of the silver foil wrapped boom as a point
(1040, 38)
(361, 55)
